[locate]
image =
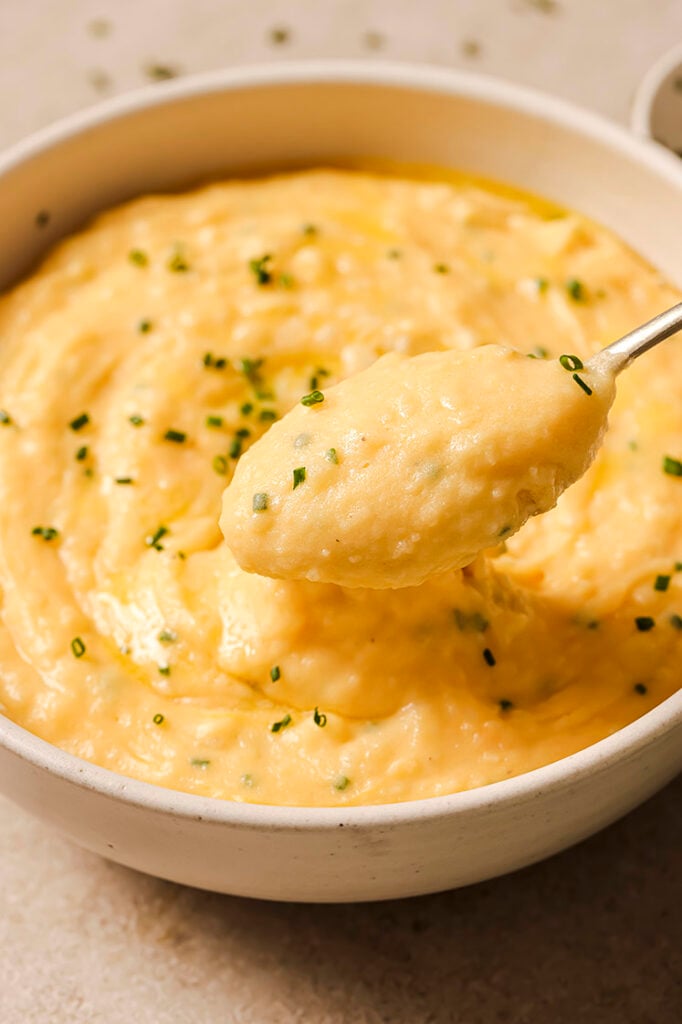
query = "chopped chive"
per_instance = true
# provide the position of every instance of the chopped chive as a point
(164, 670)
(124, 480)
(80, 421)
(250, 368)
(264, 396)
(505, 705)
(138, 257)
(82, 453)
(247, 780)
(315, 379)
(641, 689)
(5, 418)
(282, 724)
(168, 636)
(77, 647)
(314, 398)
(235, 448)
(571, 362)
(470, 622)
(220, 465)
(144, 326)
(319, 718)
(246, 409)
(136, 420)
(644, 623)
(662, 583)
(267, 415)
(309, 230)
(576, 290)
(275, 673)
(299, 476)
(341, 782)
(676, 621)
(678, 566)
(259, 268)
(538, 353)
(214, 362)
(489, 657)
(152, 540)
(159, 719)
(331, 456)
(214, 421)
(441, 268)
(581, 383)
(260, 502)
(542, 285)
(46, 532)
(177, 264)
(200, 762)
(177, 436)
(243, 432)
(673, 467)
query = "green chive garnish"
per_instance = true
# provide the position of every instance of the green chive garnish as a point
(542, 284)
(235, 448)
(314, 398)
(168, 636)
(77, 647)
(138, 257)
(250, 368)
(46, 532)
(309, 230)
(571, 362)
(158, 719)
(5, 418)
(200, 762)
(220, 465)
(282, 724)
(82, 453)
(299, 476)
(581, 383)
(267, 415)
(136, 420)
(243, 432)
(341, 782)
(676, 621)
(177, 263)
(275, 673)
(164, 670)
(152, 540)
(331, 456)
(259, 268)
(505, 705)
(644, 623)
(124, 480)
(260, 502)
(640, 688)
(661, 583)
(214, 421)
(576, 289)
(214, 362)
(144, 326)
(178, 436)
(319, 718)
(489, 657)
(80, 421)
(246, 409)
(673, 467)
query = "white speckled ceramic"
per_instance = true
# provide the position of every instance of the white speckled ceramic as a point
(272, 118)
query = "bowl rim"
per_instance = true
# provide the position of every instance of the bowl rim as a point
(559, 775)
(648, 89)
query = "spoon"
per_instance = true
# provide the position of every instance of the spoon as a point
(415, 465)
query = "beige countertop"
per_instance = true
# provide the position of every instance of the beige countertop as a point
(593, 936)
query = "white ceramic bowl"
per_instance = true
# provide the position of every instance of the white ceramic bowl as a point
(272, 118)
(657, 107)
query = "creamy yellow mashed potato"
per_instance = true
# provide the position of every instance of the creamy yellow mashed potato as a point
(150, 351)
(414, 466)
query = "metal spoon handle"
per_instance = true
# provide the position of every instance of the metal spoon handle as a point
(621, 353)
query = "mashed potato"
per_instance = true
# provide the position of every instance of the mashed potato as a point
(152, 350)
(414, 466)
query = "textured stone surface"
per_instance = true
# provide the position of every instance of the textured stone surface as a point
(590, 937)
